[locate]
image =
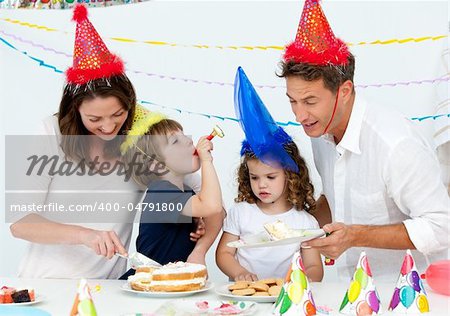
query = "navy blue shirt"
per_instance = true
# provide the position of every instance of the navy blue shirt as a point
(164, 233)
(163, 230)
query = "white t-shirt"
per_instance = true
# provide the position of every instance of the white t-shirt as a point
(384, 172)
(245, 219)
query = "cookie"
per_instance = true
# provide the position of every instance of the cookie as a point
(238, 285)
(259, 287)
(274, 290)
(261, 294)
(243, 292)
(279, 282)
(268, 281)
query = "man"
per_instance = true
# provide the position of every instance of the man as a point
(381, 181)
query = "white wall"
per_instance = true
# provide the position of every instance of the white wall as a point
(29, 92)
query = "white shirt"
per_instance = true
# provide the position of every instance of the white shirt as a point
(383, 172)
(246, 219)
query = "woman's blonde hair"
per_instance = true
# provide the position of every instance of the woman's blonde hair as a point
(299, 187)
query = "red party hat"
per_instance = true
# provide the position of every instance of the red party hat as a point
(315, 42)
(91, 58)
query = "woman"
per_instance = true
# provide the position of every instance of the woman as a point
(98, 100)
(97, 105)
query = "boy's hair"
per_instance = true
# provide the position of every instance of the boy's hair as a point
(69, 118)
(147, 145)
(299, 186)
(333, 76)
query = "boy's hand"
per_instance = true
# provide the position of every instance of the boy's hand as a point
(197, 257)
(204, 147)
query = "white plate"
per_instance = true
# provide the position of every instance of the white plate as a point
(263, 240)
(206, 307)
(126, 287)
(223, 291)
(37, 299)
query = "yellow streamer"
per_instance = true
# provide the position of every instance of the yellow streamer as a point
(245, 47)
(40, 27)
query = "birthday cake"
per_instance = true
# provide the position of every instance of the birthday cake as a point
(172, 277)
(178, 277)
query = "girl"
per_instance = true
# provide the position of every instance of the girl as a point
(273, 184)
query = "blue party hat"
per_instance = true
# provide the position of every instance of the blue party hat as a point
(263, 136)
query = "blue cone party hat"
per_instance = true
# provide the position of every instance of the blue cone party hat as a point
(263, 136)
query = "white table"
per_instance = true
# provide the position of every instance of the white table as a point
(111, 300)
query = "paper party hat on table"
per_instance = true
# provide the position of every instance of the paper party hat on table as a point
(409, 295)
(295, 297)
(83, 304)
(361, 297)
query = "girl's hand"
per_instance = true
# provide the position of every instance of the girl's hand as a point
(244, 275)
(200, 230)
(204, 147)
(104, 243)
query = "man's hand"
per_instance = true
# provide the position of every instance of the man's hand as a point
(103, 243)
(341, 238)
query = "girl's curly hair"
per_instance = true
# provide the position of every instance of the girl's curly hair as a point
(299, 186)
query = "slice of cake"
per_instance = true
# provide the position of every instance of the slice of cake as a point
(10, 295)
(178, 277)
(6, 294)
(279, 230)
(21, 296)
(141, 280)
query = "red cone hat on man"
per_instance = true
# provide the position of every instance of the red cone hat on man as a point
(315, 42)
(91, 58)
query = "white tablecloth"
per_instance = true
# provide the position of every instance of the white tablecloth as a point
(112, 300)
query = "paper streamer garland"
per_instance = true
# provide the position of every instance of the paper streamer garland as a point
(364, 86)
(59, 4)
(230, 47)
(361, 297)
(42, 63)
(409, 295)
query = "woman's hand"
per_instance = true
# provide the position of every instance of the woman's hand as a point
(103, 243)
(199, 231)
